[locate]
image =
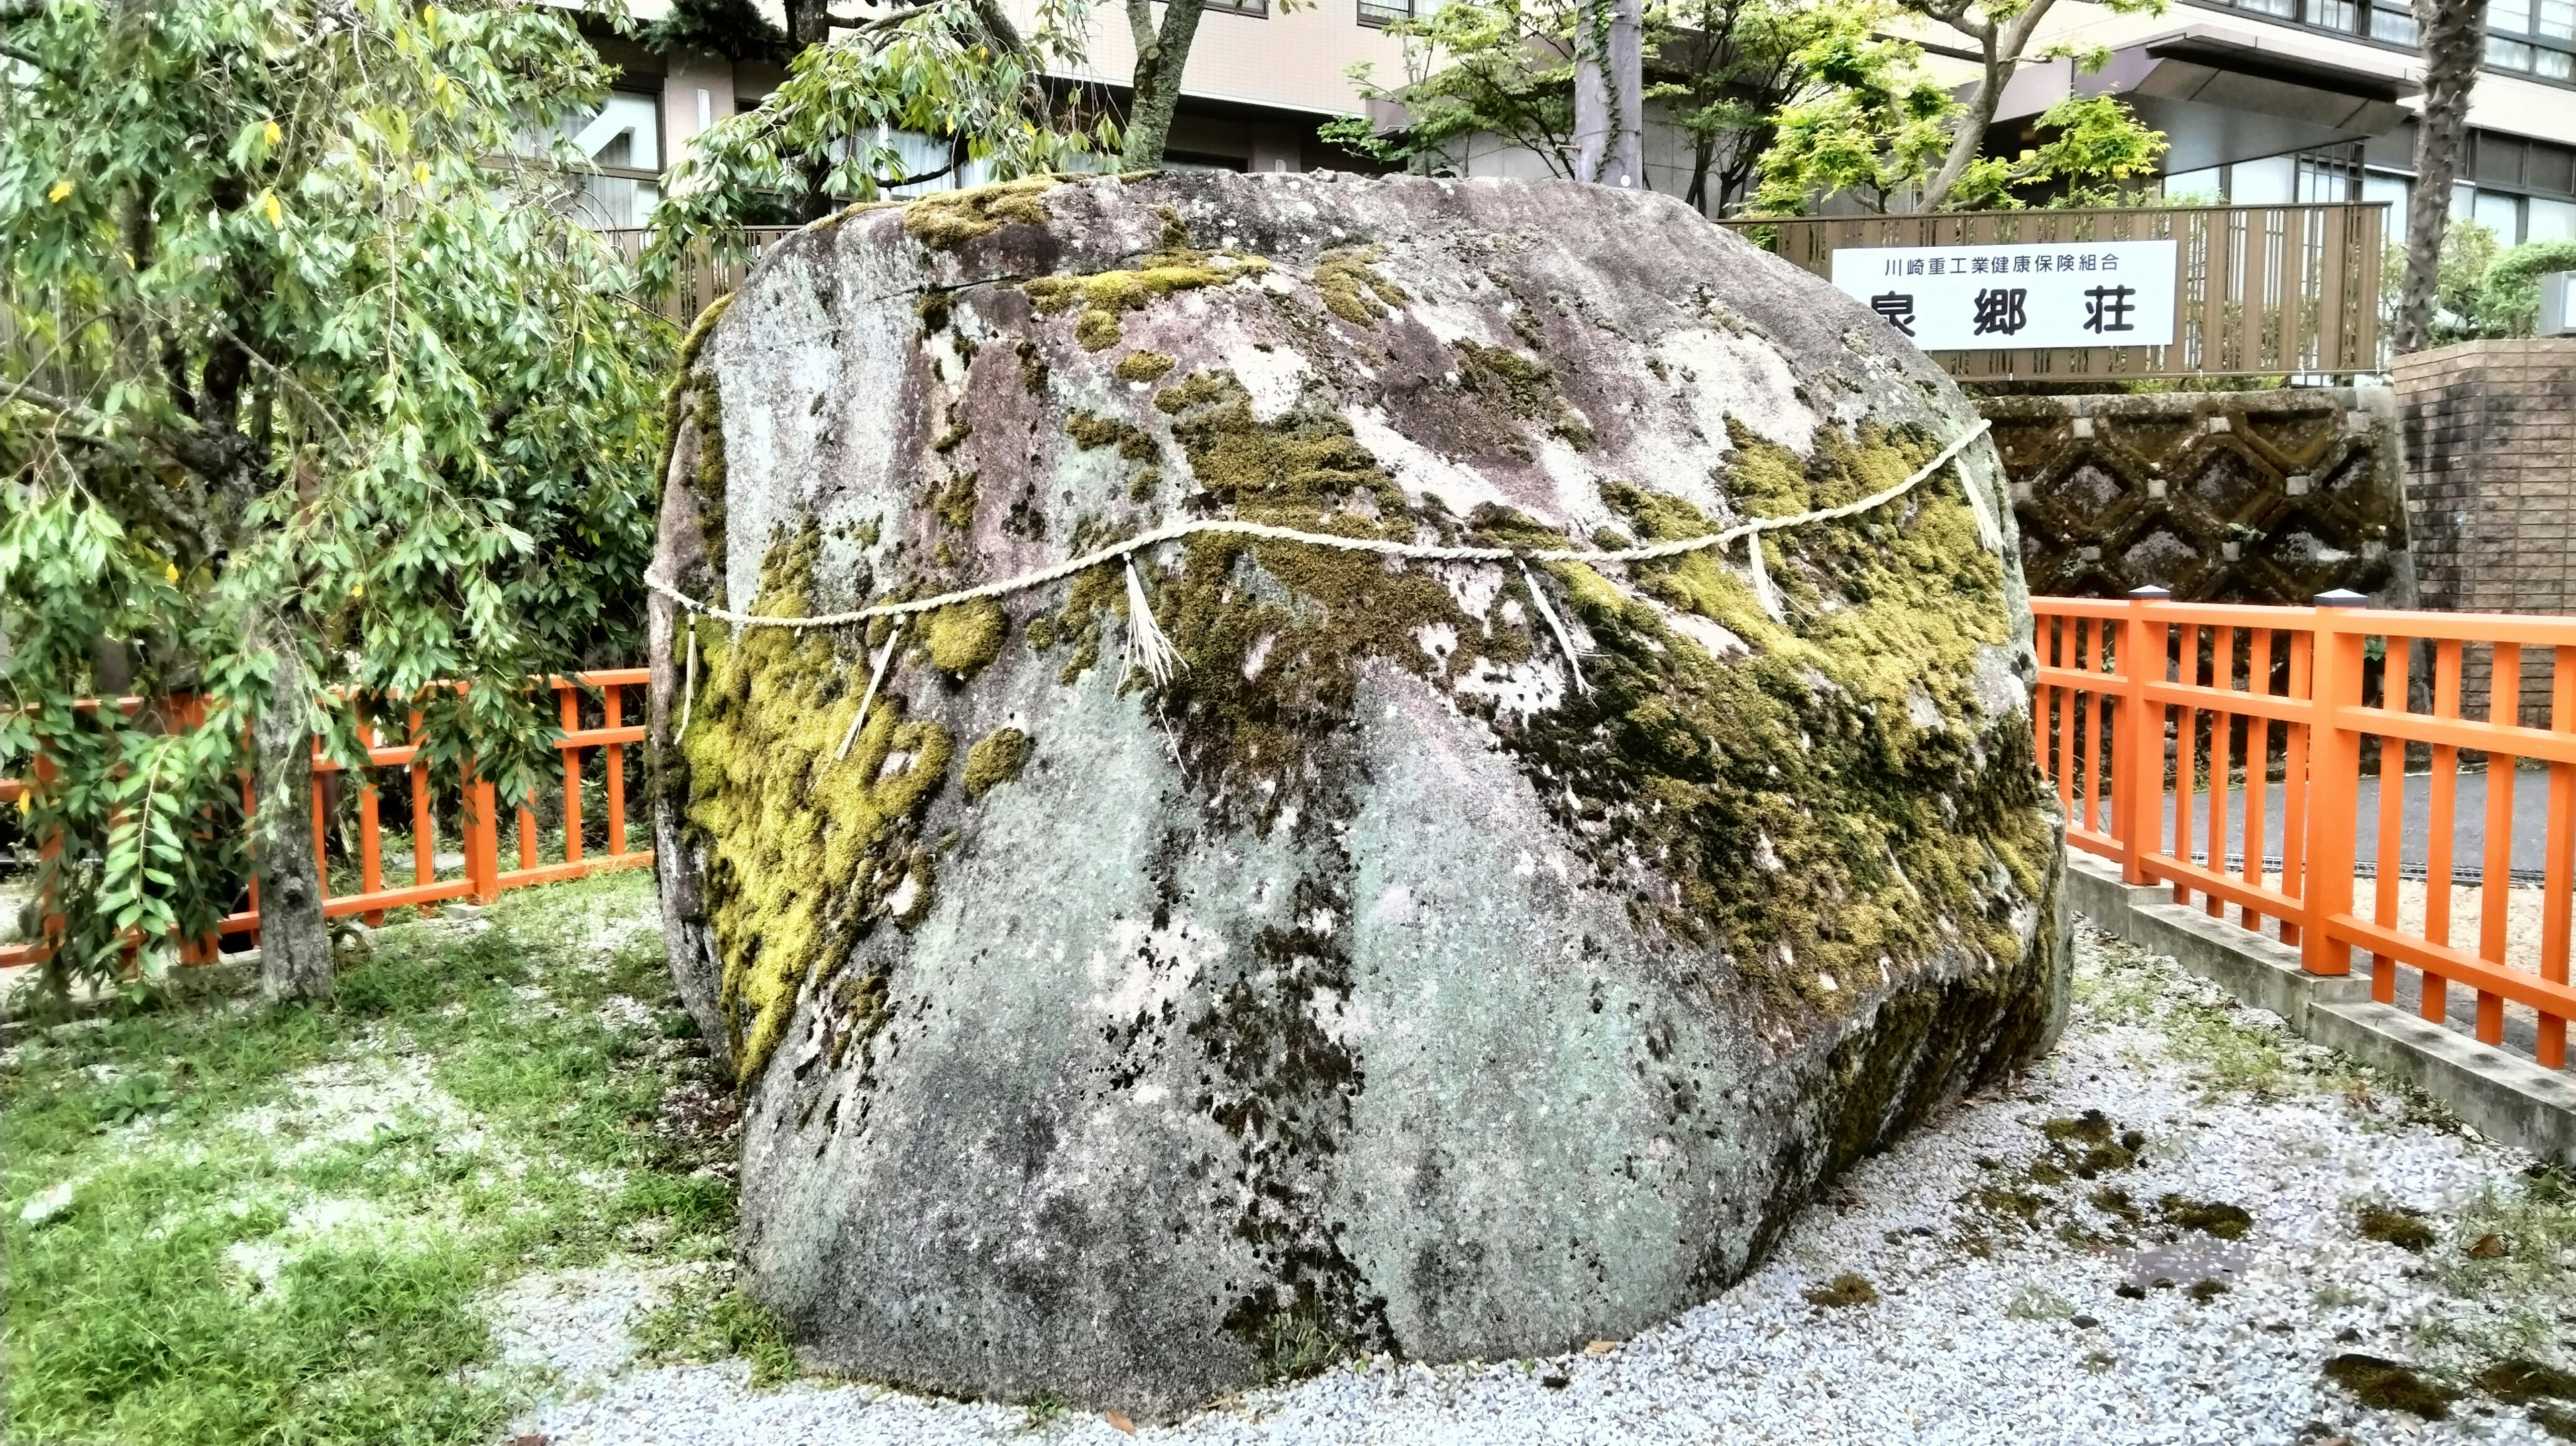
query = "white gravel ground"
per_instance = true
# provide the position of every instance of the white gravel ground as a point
(1985, 1329)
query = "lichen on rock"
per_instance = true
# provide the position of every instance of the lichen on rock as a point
(1367, 984)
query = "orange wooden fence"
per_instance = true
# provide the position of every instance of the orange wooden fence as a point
(2139, 699)
(476, 827)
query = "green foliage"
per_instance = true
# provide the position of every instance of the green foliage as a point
(2096, 151)
(955, 71)
(1878, 129)
(734, 29)
(2508, 297)
(291, 365)
(1504, 70)
(2482, 288)
(717, 1325)
(1871, 125)
(286, 1230)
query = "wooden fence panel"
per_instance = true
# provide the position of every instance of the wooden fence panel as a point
(2259, 290)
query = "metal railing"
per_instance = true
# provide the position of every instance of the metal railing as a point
(477, 874)
(2143, 702)
(2259, 290)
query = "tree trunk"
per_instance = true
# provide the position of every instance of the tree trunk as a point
(2454, 41)
(1160, 59)
(2002, 46)
(1609, 95)
(294, 939)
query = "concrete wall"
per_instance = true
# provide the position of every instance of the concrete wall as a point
(2491, 482)
(2250, 497)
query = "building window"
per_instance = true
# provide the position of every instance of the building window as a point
(2527, 37)
(1378, 14)
(2499, 213)
(2535, 37)
(623, 141)
(1257, 9)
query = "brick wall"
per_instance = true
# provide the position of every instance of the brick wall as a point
(2490, 432)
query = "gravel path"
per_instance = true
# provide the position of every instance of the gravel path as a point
(2017, 1271)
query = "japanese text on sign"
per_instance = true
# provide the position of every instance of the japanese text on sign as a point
(1987, 298)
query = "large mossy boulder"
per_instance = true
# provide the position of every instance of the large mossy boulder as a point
(1371, 985)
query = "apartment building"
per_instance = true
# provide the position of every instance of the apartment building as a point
(2264, 101)
(2269, 101)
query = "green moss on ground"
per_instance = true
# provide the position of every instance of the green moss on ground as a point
(803, 847)
(2215, 1217)
(2388, 1386)
(995, 759)
(2403, 1228)
(1843, 1291)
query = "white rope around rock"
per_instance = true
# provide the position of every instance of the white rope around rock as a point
(688, 684)
(1764, 595)
(1149, 651)
(875, 680)
(1564, 640)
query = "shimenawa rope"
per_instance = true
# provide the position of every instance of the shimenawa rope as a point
(1150, 652)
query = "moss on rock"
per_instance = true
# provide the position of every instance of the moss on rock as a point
(963, 638)
(1143, 366)
(1351, 287)
(801, 847)
(995, 759)
(953, 218)
(1103, 295)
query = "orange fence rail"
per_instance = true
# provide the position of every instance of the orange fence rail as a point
(2145, 705)
(479, 875)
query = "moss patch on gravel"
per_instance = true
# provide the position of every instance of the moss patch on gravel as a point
(1843, 1291)
(2387, 1385)
(2395, 1225)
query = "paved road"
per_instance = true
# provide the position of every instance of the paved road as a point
(2415, 823)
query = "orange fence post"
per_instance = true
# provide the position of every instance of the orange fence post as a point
(2392, 813)
(2558, 864)
(2222, 745)
(482, 839)
(2334, 762)
(615, 755)
(424, 831)
(371, 843)
(570, 699)
(2435, 1002)
(2138, 759)
(2294, 782)
(2504, 705)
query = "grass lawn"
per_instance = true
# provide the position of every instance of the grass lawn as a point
(231, 1223)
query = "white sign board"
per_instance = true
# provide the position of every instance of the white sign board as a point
(1990, 298)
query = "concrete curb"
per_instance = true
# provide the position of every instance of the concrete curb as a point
(2500, 1095)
